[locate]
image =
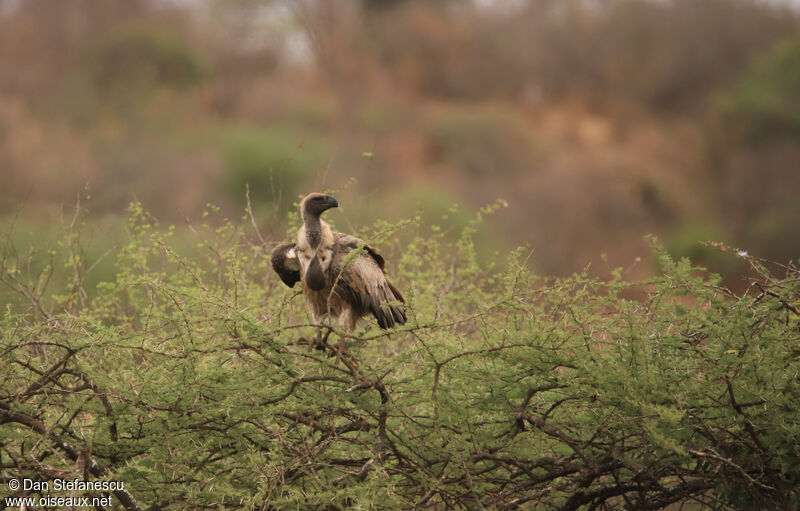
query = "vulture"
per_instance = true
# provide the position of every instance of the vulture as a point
(336, 284)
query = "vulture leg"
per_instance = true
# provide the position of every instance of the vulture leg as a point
(347, 320)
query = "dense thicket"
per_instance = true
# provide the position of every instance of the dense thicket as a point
(196, 379)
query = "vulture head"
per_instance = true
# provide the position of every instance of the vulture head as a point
(317, 203)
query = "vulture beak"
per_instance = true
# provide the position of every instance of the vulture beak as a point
(331, 202)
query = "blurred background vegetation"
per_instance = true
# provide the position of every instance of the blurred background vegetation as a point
(598, 121)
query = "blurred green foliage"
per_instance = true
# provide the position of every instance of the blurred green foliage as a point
(139, 59)
(381, 118)
(765, 102)
(547, 103)
(689, 239)
(481, 143)
(310, 113)
(274, 162)
(439, 207)
(773, 229)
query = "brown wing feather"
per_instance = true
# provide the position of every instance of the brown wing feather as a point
(396, 291)
(351, 242)
(364, 283)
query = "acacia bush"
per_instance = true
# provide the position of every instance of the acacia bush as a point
(196, 378)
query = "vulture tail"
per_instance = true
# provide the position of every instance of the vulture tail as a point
(398, 312)
(388, 315)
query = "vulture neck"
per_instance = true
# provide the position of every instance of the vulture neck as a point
(313, 226)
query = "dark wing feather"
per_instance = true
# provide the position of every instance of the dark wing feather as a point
(364, 283)
(287, 267)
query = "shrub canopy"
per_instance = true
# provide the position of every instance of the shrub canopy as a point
(196, 379)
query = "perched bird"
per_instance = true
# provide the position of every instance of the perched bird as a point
(337, 286)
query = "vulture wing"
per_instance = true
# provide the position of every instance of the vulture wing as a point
(363, 281)
(285, 263)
